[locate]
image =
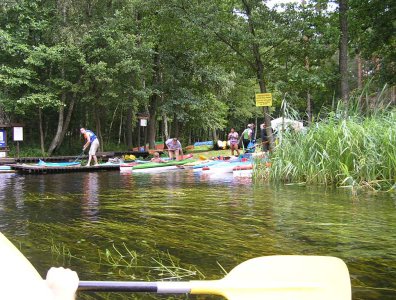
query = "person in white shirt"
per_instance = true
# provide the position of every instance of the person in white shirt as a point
(174, 148)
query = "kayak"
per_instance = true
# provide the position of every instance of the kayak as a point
(243, 171)
(159, 166)
(127, 167)
(207, 164)
(225, 167)
(6, 169)
(157, 169)
(42, 163)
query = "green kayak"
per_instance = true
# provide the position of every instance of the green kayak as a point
(164, 164)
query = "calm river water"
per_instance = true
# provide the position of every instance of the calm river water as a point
(112, 226)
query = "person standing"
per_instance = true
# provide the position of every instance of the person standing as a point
(247, 136)
(174, 148)
(233, 137)
(264, 137)
(92, 140)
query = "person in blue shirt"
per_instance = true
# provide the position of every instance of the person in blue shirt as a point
(92, 140)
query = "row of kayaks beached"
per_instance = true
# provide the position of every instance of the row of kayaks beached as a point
(239, 166)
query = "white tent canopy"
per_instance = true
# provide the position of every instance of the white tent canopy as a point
(278, 123)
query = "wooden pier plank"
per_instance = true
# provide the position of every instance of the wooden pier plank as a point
(32, 169)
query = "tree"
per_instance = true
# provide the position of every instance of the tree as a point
(343, 50)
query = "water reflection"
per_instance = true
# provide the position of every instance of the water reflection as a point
(199, 220)
(90, 206)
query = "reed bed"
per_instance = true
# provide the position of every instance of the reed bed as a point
(356, 151)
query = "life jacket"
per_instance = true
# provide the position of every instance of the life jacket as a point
(91, 135)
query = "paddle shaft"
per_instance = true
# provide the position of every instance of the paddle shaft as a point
(135, 286)
(79, 157)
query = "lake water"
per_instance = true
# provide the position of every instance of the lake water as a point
(114, 226)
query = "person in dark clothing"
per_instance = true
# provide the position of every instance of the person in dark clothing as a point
(264, 137)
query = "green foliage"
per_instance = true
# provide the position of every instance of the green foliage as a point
(195, 62)
(25, 152)
(354, 152)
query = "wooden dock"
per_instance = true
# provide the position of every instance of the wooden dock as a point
(32, 169)
(102, 156)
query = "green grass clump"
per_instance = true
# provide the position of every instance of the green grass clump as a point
(353, 152)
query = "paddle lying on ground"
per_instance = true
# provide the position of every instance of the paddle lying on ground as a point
(269, 277)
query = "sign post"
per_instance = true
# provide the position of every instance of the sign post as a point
(143, 120)
(18, 136)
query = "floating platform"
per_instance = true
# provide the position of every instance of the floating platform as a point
(102, 156)
(34, 169)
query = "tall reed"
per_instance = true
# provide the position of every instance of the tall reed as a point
(354, 151)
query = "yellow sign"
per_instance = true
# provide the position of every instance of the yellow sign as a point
(264, 99)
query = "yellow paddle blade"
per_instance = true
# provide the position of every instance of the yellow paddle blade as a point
(282, 278)
(18, 278)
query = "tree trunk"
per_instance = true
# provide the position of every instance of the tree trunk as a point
(99, 129)
(111, 123)
(176, 127)
(214, 135)
(120, 129)
(259, 68)
(309, 103)
(359, 71)
(41, 132)
(166, 132)
(55, 140)
(343, 49)
(129, 127)
(67, 121)
(152, 128)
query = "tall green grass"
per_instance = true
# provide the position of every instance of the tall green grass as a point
(355, 151)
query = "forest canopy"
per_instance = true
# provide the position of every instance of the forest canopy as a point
(191, 67)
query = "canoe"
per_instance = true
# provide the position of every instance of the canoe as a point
(42, 163)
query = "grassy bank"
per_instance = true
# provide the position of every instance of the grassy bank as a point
(349, 152)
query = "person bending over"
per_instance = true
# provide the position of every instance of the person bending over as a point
(90, 139)
(174, 148)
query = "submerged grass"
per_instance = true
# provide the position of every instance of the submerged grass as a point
(356, 152)
(129, 265)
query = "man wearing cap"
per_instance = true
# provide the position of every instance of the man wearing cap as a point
(174, 148)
